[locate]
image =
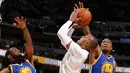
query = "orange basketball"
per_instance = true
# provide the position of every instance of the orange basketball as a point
(86, 16)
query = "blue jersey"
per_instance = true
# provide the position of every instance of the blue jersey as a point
(26, 67)
(103, 64)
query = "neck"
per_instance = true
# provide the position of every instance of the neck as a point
(107, 54)
(19, 60)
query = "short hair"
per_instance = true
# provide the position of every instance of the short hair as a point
(7, 53)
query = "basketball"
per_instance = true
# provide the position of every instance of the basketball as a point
(86, 16)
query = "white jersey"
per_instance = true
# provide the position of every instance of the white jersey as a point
(73, 59)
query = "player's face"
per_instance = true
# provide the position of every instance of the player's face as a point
(15, 51)
(14, 54)
(106, 45)
(84, 42)
(80, 41)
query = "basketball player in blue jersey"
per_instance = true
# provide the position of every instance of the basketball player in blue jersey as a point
(100, 59)
(21, 63)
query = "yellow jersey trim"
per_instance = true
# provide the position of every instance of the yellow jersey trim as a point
(11, 68)
(29, 63)
(114, 63)
(96, 59)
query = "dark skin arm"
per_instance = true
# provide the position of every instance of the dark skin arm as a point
(21, 23)
(86, 30)
(115, 65)
(93, 53)
(5, 70)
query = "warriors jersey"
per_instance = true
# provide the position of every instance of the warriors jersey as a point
(25, 67)
(103, 64)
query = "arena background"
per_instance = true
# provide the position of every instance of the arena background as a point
(111, 19)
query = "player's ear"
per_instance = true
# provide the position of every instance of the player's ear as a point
(9, 56)
(111, 47)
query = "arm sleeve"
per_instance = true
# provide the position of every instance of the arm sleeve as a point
(63, 33)
(71, 30)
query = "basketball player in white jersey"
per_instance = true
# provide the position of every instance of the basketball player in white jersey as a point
(76, 53)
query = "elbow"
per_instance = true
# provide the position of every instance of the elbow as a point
(60, 33)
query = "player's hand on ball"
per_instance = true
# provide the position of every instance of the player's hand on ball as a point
(21, 23)
(74, 26)
(81, 5)
(73, 16)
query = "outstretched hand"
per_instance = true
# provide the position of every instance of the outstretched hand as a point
(77, 7)
(81, 5)
(21, 23)
(73, 16)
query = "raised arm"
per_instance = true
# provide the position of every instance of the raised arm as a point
(71, 30)
(64, 33)
(86, 30)
(93, 53)
(21, 23)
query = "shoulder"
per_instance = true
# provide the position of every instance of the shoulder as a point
(94, 58)
(97, 51)
(111, 57)
(74, 47)
(29, 62)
